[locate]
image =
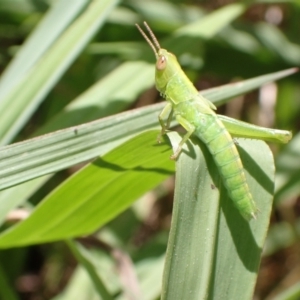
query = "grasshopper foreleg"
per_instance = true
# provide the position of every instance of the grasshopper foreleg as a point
(167, 111)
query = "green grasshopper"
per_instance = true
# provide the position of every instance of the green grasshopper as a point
(196, 115)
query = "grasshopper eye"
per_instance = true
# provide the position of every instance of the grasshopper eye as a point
(161, 63)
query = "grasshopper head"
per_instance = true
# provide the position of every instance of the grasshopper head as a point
(166, 62)
(166, 67)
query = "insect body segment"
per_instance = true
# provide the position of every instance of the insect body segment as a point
(227, 159)
(196, 114)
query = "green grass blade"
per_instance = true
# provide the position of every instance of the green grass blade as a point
(53, 152)
(208, 237)
(222, 94)
(58, 150)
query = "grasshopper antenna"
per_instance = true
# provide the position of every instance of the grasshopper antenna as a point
(154, 44)
(154, 39)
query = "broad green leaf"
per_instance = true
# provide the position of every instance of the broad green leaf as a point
(208, 237)
(97, 194)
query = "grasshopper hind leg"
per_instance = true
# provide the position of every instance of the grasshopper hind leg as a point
(190, 130)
